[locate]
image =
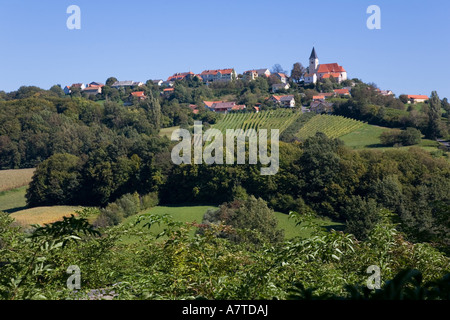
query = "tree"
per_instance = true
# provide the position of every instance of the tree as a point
(110, 81)
(57, 90)
(251, 214)
(277, 68)
(56, 181)
(361, 215)
(321, 171)
(152, 106)
(446, 106)
(403, 98)
(433, 129)
(297, 72)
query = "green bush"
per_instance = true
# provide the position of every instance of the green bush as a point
(407, 137)
(252, 220)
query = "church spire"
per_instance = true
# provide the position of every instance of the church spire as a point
(314, 54)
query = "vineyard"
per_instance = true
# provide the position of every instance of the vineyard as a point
(272, 119)
(332, 126)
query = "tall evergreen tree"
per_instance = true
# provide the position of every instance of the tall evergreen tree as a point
(434, 117)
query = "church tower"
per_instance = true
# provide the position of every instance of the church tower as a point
(313, 61)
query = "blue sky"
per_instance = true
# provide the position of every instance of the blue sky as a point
(141, 40)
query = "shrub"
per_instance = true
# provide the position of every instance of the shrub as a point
(149, 200)
(253, 220)
(407, 137)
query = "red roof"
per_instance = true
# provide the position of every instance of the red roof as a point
(168, 89)
(342, 91)
(329, 68)
(214, 72)
(179, 76)
(210, 103)
(412, 96)
(329, 75)
(238, 107)
(139, 94)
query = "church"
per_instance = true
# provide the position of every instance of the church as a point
(318, 71)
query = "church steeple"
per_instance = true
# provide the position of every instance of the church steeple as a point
(313, 54)
(313, 61)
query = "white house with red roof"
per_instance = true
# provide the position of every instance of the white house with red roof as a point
(413, 98)
(287, 101)
(225, 75)
(318, 71)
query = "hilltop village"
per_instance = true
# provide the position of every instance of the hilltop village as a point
(310, 89)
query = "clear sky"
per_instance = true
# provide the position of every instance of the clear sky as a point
(140, 40)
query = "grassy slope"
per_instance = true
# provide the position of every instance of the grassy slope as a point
(13, 200)
(168, 131)
(368, 137)
(195, 213)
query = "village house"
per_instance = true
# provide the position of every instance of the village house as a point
(280, 86)
(386, 92)
(250, 75)
(92, 90)
(417, 98)
(194, 108)
(318, 71)
(253, 74)
(180, 76)
(286, 101)
(220, 75)
(281, 76)
(321, 106)
(223, 107)
(323, 96)
(168, 91)
(342, 92)
(68, 89)
(158, 82)
(125, 84)
(138, 94)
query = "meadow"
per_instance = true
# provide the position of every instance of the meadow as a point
(188, 214)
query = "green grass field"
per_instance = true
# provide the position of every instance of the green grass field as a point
(368, 137)
(195, 213)
(167, 132)
(13, 200)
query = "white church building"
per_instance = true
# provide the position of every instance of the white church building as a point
(318, 71)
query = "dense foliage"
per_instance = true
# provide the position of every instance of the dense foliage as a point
(175, 265)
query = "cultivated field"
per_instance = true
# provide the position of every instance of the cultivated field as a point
(13, 179)
(272, 119)
(332, 126)
(42, 215)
